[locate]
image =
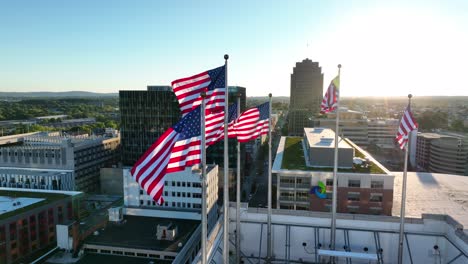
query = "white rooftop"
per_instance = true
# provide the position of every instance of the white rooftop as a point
(319, 137)
(8, 204)
(433, 193)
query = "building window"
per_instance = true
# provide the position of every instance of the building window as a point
(166, 193)
(183, 184)
(188, 195)
(178, 184)
(165, 183)
(173, 204)
(183, 194)
(354, 196)
(375, 210)
(165, 204)
(178, 204)
(178, 194)
(353, 209)
(188, 205)
(173, 194)
(173, 183)
(376, 197)
(195, 205)
(188, 184)
(377, 184)
(141, 192)
(329, 182)
(354, 183)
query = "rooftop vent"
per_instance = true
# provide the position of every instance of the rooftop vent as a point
(166, 231)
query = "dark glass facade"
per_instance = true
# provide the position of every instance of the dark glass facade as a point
(144, 116)
(306, 95)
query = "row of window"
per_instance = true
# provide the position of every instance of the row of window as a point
(179, 194)
(182, 184)
(173, 204)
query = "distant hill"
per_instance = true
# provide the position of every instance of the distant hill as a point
(55, 94)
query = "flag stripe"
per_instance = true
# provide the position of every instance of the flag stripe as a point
(330, 100)
(407, 124)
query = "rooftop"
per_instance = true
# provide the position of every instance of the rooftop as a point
(99, 259)
(319, 137)
(42, 197)
(433, 193)
(140, 232)
(290, 156)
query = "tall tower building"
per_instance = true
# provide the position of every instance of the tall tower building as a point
(144, 116)
(306, 95)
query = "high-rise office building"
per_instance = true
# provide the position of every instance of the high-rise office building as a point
(144, 116)
(442, 153)
(306, 95)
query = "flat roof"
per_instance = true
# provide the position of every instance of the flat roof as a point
(319, 137)
(139, 232)
(101, 258)
(11, 203)
(290, 157)
(432, 193)
(42, 197)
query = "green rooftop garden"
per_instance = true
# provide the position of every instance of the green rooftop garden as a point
(49, 197)
(293, 159)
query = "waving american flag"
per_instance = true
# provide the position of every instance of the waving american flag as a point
(407, 124)
(177, 148)
(330, 100)
(213, 82)
(250, 124)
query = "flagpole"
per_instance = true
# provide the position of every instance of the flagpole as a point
(238, 196)
(269, 238)
(335, 172)
(403, 197)
(226, 169)
(204, 221)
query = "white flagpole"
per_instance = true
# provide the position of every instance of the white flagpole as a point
(403, 197)
(226, 170)
(269, 237)
(335, 169)
(204, 221)
(238, 196)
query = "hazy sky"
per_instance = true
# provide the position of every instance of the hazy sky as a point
(385, 47)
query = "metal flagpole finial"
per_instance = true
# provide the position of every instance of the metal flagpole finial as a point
(203, 94)
(339, 66)
(269, 95)
(226, 56)
(410, 96)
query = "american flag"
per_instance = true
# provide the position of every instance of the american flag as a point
(250, 124)
(177, 148)
(213, 82)
(407, 124)
(330, 100)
